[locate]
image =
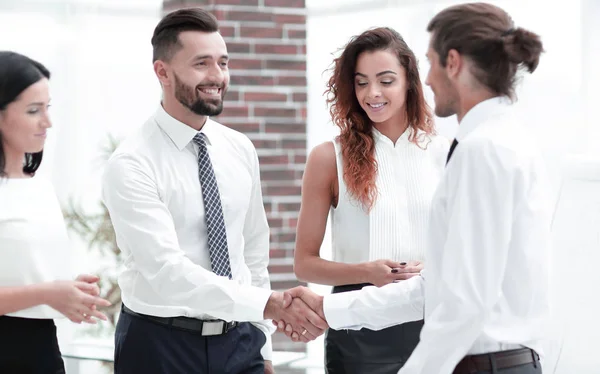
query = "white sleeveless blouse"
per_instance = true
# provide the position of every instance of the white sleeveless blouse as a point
(396, 227)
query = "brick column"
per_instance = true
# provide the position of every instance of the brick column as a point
(266, 40)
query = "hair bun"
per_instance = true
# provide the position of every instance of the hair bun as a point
(523, 47)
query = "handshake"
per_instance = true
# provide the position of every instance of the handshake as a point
(298, 313)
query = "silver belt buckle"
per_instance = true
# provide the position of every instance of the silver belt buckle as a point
(210, 328)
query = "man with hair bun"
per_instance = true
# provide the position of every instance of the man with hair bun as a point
(484, 293)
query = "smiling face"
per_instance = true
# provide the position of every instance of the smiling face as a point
(380, 85)
(199, 72)
(24, 122)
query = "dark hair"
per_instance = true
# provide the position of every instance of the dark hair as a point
(356, 138)
(17, 73)
(165, 40)
(487, 35)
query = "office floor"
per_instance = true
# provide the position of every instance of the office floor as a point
(94, 356)
(98, 360)
(294, 371)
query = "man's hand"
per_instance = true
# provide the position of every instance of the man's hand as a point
(314, 301)
(269, 367)
(296, 313)
(309, 298)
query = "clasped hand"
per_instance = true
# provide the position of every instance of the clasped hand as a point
(305, 319)
(78, 300)
(302, 317)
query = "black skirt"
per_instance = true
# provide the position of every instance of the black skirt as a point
(367, 351)
(29, 346)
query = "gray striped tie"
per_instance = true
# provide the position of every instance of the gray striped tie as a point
(213, 212)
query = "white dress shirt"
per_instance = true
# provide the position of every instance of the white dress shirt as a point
(485, 288)
(34, 245)
(396, 227)
(152, 190)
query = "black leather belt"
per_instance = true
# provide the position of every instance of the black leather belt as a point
(349, 287)
(205, 328)
(503, 360)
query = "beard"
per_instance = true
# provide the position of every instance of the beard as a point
(443, 111)
(445, 101)
(189, 97)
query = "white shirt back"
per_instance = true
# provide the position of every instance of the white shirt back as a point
(485, 287)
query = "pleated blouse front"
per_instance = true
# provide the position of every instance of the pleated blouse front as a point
(396, 227)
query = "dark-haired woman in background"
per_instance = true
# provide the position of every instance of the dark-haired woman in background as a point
(377, 179)
(33, 238)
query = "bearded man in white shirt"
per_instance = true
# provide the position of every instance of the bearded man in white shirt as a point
(185, 200)
(484, 292)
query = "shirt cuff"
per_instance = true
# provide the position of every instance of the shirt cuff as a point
(267, 350)
(268, 329)
(251, 303)
(337, 310)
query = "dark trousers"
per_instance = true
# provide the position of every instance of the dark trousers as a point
(146, 347)
(369, 352)
(29, 346)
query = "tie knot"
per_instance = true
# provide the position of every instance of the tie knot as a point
(200, 139)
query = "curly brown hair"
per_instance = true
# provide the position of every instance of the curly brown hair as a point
(356, 138)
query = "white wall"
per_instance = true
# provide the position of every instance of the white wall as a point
(102, 80)
(576, 240)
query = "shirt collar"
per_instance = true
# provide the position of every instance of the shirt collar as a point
(480, 113)
(180, 133)
(403, 139)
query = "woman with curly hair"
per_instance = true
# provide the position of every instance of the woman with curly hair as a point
(377, 179)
